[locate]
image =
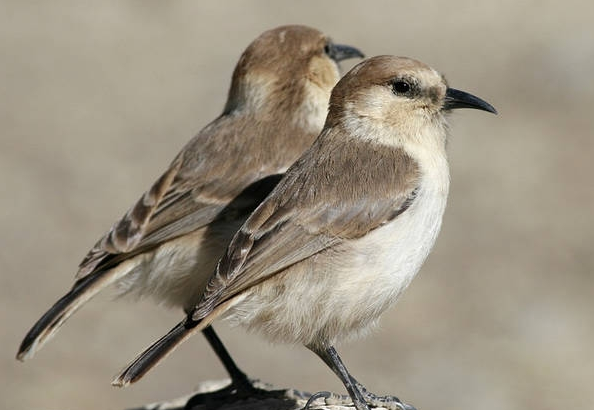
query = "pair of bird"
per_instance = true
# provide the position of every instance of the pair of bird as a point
(303, 211)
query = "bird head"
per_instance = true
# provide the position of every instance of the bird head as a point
(289, 66)
(394, 98)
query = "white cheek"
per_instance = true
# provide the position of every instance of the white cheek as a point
(370, 118)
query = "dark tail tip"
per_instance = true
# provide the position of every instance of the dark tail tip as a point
(154, 354)
(44, 328)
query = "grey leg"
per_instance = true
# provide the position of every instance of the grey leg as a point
(329, 355)
(358, 393)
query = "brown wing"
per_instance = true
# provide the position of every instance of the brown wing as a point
(338, 190)
(198, 186)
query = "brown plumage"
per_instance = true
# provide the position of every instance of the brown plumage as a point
(167, 244)
(348, 226)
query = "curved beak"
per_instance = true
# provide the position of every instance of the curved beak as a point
(460, 99)
(339, 52)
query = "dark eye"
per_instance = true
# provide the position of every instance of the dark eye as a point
(400, 87)
(327, 49)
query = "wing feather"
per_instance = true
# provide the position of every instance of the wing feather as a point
(192, 193)
(337, 191)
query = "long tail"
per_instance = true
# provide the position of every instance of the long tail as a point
(157, 352)
(49, 324)
(160, 349)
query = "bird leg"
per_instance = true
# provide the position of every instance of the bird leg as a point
(241, 386)
(329, 355)
(238, 377)
(361, 398)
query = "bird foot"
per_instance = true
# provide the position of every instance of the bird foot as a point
(371, 400)
(388, 402)
(329, 399)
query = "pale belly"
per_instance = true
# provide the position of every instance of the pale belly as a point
(341, 292)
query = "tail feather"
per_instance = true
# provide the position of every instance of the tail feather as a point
(160, 349)
(157, 352)
(49, 324)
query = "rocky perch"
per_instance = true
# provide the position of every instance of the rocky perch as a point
(288, 399)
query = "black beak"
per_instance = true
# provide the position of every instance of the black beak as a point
(339, 52)
(460, 99)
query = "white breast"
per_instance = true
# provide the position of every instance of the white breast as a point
(391, 255)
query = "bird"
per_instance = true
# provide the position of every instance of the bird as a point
(167, 244)
(347, 227)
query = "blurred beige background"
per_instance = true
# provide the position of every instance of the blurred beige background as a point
(96, 99)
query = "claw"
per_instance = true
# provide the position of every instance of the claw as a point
(315, 396)
(389, 402)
